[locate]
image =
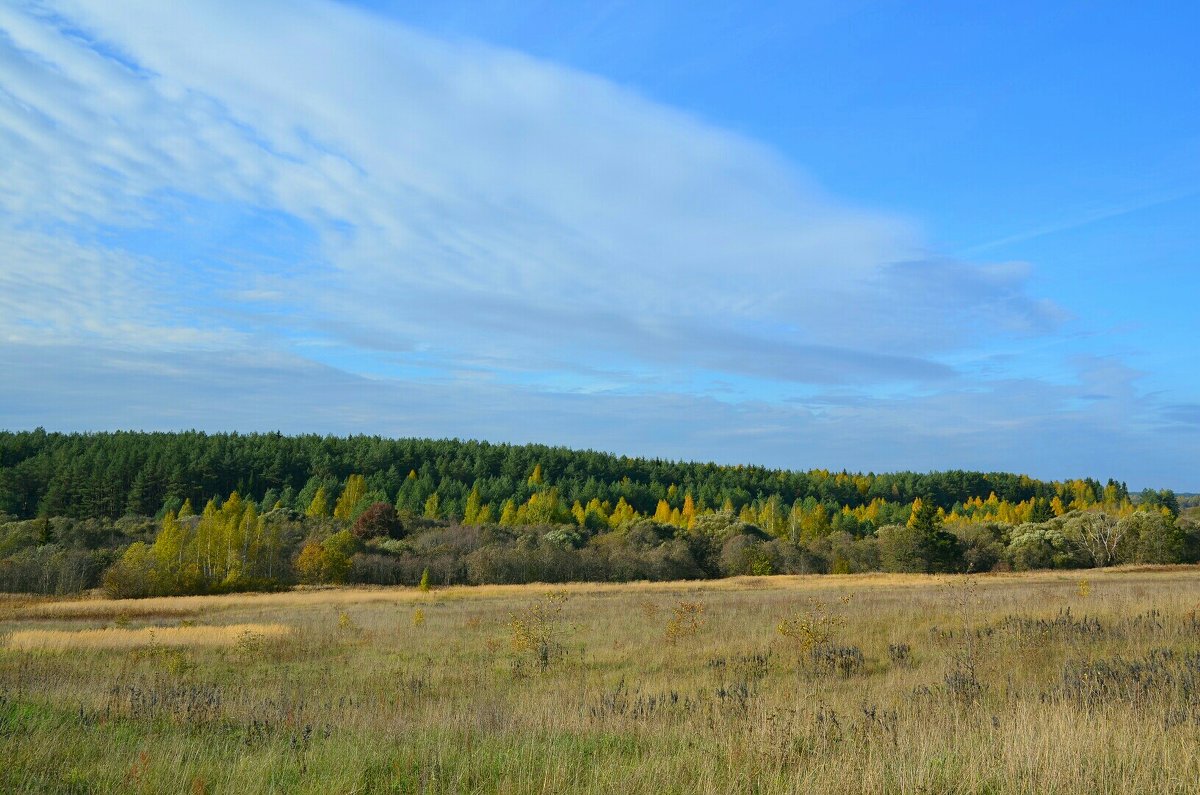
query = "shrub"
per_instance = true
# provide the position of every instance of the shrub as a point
(982, 547)
(379, 520)
(537, 632)
(687, 619)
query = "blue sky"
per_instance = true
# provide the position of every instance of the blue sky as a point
(862, 235)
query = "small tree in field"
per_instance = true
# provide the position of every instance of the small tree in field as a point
(537, 632)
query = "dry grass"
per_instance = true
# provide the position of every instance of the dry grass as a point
(21, 608)
(992, 684)
(117, 638)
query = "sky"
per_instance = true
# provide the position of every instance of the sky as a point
(872, 236)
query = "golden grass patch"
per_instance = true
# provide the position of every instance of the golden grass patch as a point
(118, 638)
(167, 607)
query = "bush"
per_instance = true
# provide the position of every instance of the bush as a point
(743, 554)
(132, 576)
(377, 521)
(982, 545)
(1040, 546)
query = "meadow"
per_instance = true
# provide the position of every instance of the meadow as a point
(1085, 681)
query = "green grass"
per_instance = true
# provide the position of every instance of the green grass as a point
(1001, 690)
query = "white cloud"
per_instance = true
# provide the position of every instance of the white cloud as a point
(472, 201)
(224, 214)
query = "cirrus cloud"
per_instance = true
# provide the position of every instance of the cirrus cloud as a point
(310, 187)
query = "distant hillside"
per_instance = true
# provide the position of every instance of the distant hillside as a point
(170, 513)
(127, 473)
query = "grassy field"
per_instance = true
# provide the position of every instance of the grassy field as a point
(1038, 683)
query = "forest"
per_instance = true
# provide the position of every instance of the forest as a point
(142, 514)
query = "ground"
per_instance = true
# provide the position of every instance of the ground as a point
(1084, 681)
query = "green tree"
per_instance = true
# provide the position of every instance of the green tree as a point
(339, 548)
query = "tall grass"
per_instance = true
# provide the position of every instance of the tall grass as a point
(883, 683)
(119, 638)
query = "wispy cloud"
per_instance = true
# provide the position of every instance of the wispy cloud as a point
(463, 198)
(1080, 220)
(360, 227)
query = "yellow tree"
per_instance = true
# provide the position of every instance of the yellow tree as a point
(597, 508)
(814, 522)
(543, 507)
(208, 539)
(535, 477)
(231, 534)
(167, 552)
(311, 563)
(471, 509)
(352, 495)
(319, 507)
(250, 538)
(770, 516)
(622, 514)
(917, 505)
(433, 506)
(273, 545)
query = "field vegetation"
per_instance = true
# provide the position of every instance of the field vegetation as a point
(1079, 681)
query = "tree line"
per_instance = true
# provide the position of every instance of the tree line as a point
(117, 508)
